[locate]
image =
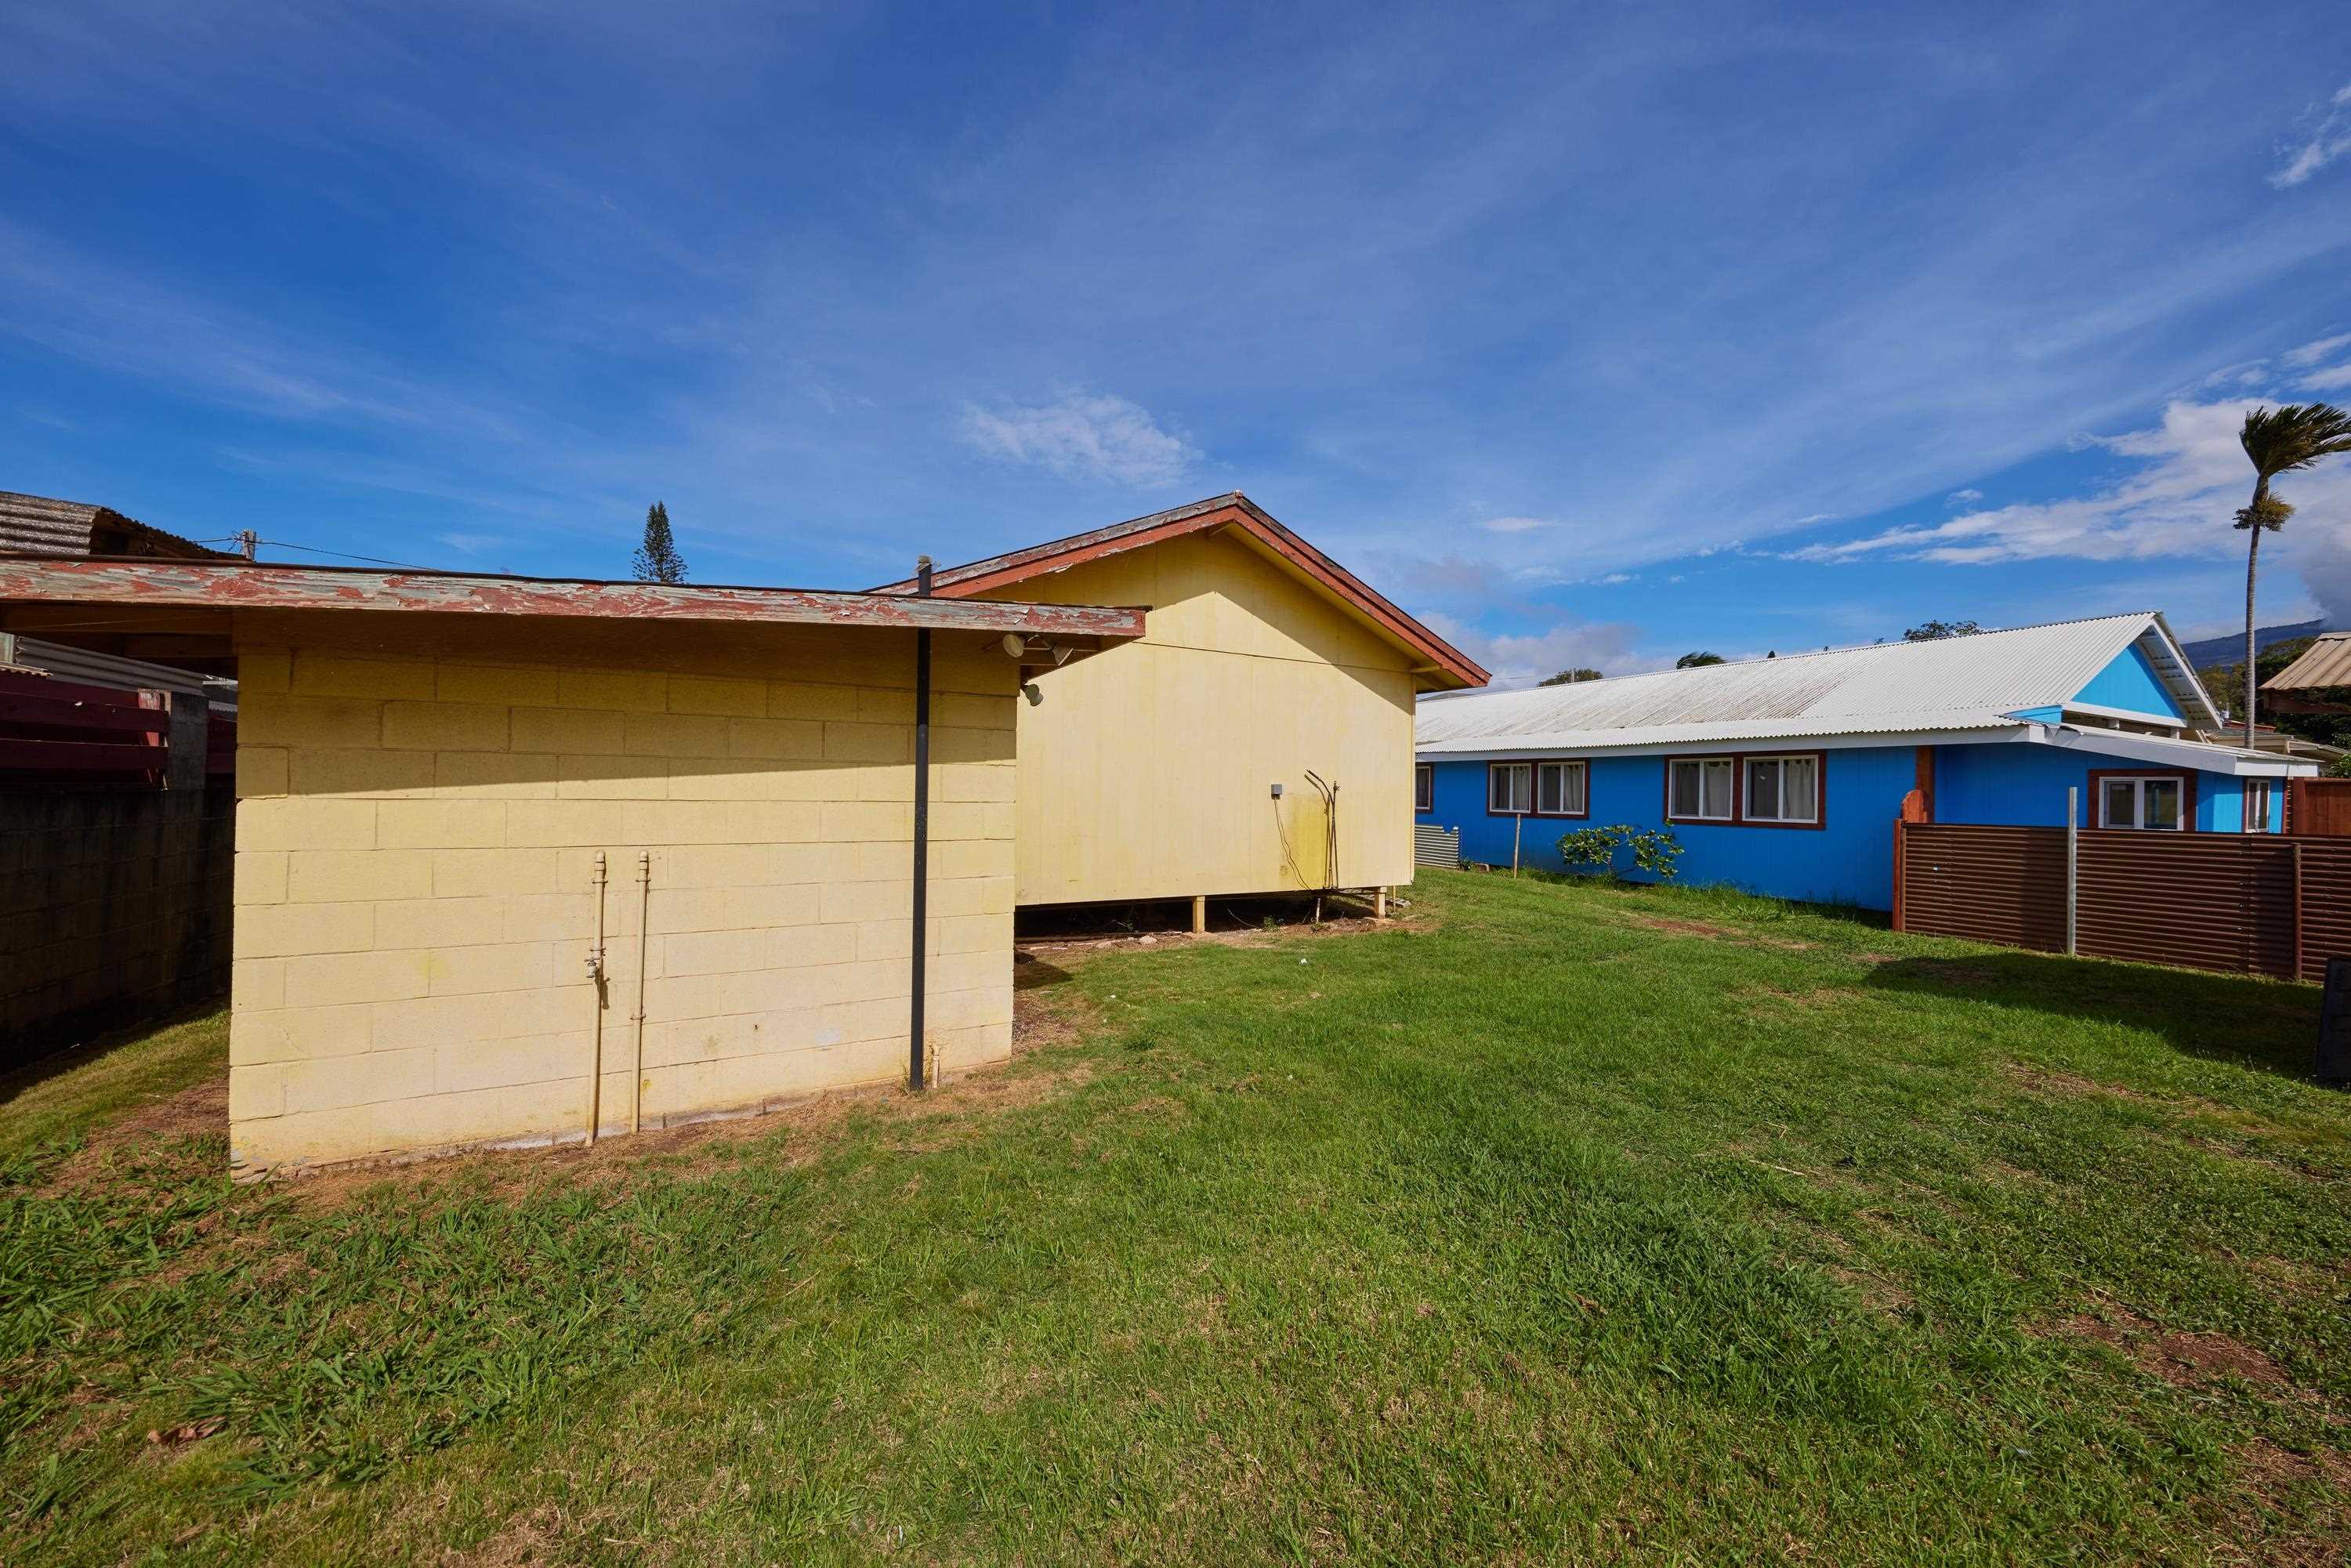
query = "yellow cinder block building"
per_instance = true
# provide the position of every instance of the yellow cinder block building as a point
(521, 860)
(1177, 765)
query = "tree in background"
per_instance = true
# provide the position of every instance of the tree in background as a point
(2279, 440)
(657, 560)
(1571, 677)
(1696, 661)
(1936, 630)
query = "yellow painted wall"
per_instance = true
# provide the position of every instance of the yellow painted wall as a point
(415, 898)
(1146, 772)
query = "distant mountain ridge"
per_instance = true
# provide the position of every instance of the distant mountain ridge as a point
(2231, 649)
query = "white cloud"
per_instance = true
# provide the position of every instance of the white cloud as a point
(2331, 377)
(2329, 141)
(2191, 479)
(1608, 646)
(1612, 580)
(1967, 497)
(1082, 436)
(1515, 525)
(2311, 353)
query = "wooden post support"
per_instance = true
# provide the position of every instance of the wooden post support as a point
(1199, 915)
(1379, 904)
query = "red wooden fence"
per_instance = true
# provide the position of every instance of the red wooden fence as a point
(2265, 903)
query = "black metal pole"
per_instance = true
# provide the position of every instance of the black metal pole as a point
(916, 1068)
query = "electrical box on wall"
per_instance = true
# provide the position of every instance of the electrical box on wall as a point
(1277, 791)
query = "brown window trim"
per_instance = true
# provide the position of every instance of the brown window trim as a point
(1583, 816)
(1530, 766)
(1738, 816)
(1423, 787)
(2186, 776)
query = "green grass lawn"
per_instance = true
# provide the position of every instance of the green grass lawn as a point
(1561, 1221)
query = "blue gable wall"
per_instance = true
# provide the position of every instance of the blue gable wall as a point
(2024, 786)
(1850, 860)
(2129, 681)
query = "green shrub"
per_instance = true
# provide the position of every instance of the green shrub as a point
(1655, 849)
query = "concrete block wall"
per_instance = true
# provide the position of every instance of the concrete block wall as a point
(114, 909)
(415, 891)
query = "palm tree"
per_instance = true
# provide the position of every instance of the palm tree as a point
(2279, 440)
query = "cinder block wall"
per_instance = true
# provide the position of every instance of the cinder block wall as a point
(415, 895)
(114, 908)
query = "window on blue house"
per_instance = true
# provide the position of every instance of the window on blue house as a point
(2258, 806)
(1783, 789)
(1423, 787)
(1561, 789)
(1700, 789)
(2154, 801)
(1510, 789)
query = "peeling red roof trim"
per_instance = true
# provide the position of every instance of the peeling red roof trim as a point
(239, 585)
(1232, 510)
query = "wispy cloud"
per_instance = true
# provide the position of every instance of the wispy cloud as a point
(1522, 659)
(1515, 525)
(2311, 353)
(1967, 497)
(2330, 140)
(1082, 436)
(2191, 476)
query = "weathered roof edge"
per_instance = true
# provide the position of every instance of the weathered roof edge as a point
(45, 526)
(2325, 662)
(240, 585)
(1230, 509)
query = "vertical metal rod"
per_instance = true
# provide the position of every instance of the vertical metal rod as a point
(2073, 863)
(596, 980)
(645, 940)
(1516, 824)
(918, 1064)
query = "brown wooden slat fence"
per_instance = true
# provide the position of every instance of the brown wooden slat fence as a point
(2259, 904)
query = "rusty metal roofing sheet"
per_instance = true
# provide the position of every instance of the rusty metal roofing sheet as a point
(37, 525)
(1953, 684)
(209, 585)
(2325, 662)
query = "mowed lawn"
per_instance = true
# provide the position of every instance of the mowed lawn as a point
(1554, 1222)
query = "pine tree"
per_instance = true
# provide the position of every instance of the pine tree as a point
(657, 560)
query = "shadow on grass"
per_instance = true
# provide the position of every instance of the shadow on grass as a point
(2239, 1018)
(20, 1077)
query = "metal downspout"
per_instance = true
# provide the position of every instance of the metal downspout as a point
(917, 1066)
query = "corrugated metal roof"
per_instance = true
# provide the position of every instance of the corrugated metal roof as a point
(2326, 663)
(41, 526)
(1955, 682)
(36, 525)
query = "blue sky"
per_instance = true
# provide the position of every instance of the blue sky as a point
(1595, 334)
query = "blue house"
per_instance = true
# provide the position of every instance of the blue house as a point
(1784, 775)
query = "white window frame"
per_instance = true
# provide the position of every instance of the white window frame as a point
(1811, 762)
(1729, 766)
(2138, 783)
(1424, 787)
(1581, 771)
(2267, 790)
(1524, 772)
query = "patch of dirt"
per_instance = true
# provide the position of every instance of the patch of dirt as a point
(2183, 1359)
(2056, 1080)
(1682, 927)
(196, 1111)
(2276, 1490)
(1078, 948)
(1811, 1000)
(1876, 1289)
